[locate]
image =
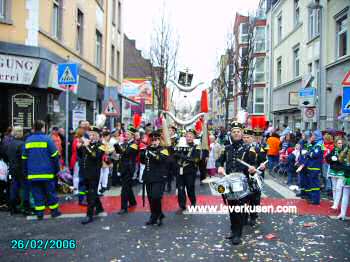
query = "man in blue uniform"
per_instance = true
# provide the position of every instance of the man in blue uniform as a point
(41, 164)
(313, 167)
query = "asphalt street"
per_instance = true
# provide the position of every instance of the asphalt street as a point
(276, 237)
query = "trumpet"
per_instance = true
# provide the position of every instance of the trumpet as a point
(85, 143)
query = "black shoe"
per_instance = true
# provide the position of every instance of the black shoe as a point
(229, 237)
(151, 222)
(87, 220)
(41, 217)
(180, 211)
(99, 211)
(122, 212)
(160, 222)
(56, 214)
(236, 240)
(102, 190)
(14, 211)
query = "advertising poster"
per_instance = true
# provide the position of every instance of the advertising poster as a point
(136, 89)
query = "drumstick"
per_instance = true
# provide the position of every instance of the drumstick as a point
(247, 165)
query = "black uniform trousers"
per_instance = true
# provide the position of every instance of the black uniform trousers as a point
(171, 164)
(185, 183)
(254, 201)
(237, 219)
(127, 195)
(155, 192)
(93, 200)
(202, 166)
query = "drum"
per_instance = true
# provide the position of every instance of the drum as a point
(233, 186)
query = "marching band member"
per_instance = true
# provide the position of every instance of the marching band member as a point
(255, 197)
(90, 155)
(187, 158)
(128, 151)
(154, 158)
(106, 162)
(236, 150)
(171, 159)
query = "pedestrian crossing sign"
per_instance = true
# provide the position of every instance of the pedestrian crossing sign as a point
(68, 74)
(111, 108)
(346, 100)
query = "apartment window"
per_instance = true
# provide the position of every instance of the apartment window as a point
(279, 71)
(296, 12)
(98, 49)
(80, 28)
(259, 39)
(119, 17)
(296, 61)
(56, 19)
(267, 68)
(268, 37)
(113, 60)
(259, 70)
(114, 11)
(244, 28)
(2, 9)
(118, 65)
(314, 23)
(279, 27)
(342, 36)
(309, 68)
(317, 72)
(259, 103)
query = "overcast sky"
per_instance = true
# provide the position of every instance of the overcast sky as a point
(202, 27)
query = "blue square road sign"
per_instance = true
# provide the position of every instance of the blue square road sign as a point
(68, 74)
(346, 100)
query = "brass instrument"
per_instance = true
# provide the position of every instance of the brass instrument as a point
(107, 148)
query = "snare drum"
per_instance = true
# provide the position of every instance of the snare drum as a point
(233, 186)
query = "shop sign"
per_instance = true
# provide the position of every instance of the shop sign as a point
(18, 70)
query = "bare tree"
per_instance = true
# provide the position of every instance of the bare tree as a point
(163, 54)
(244, 61)
(236, 68)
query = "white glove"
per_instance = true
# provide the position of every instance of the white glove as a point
(334, 158)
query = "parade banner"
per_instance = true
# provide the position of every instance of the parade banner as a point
(138, 88)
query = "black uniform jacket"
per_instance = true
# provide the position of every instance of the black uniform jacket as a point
(155, 161)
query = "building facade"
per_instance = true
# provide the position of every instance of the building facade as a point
(36, 36)
(308, 47)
